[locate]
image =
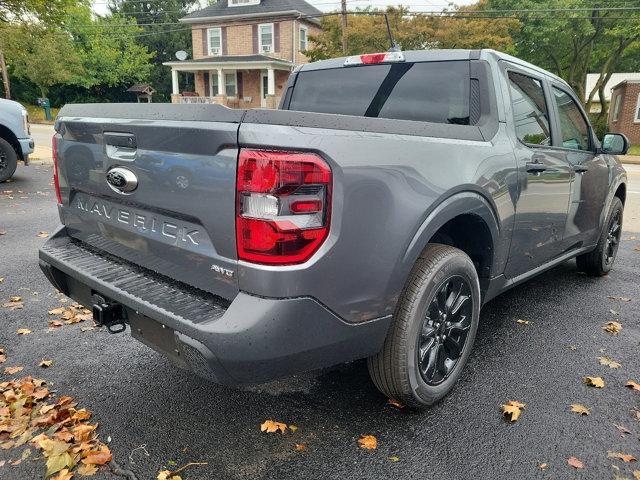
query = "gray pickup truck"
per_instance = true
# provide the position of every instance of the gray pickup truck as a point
(15, 138)
(371, 216)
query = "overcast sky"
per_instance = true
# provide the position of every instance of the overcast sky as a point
(100, 6)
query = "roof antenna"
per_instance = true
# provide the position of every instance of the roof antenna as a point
(394, 46)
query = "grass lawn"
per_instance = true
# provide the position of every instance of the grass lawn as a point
(634, 150)
(36, 114)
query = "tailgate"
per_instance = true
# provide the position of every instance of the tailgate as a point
(179, 218)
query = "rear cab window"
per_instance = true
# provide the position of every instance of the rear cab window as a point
(437, 92)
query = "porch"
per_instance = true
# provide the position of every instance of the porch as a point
(231, 81)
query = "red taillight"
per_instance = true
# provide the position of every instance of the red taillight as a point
(54, 154)
(283, 206)
(373, 58)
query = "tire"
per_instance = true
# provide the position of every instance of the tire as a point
(599, 261)
(397, 370)
(8, 160)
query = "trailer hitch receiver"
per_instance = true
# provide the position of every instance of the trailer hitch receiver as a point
(109, 313)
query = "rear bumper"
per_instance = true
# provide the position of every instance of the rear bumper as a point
(249, 340)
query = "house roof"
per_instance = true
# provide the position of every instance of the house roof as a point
(265, 7)
(140, 88)
(230, 61)
(614, 81)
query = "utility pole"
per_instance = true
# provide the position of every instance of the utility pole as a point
(344, 26)
(5, 77)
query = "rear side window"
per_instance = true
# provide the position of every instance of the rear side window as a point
(429, 92)
(573, 127)
(530, 113)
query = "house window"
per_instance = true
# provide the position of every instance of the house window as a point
(616, 107)
(237, 3)
(303, 39)
(213, 83)
(265, 34)
(215, 41)
(230, 84)
(636, 117)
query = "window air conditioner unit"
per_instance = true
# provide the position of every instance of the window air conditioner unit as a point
(266, 48)
(215, 50)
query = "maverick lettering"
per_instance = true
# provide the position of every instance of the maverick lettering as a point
(139, 221)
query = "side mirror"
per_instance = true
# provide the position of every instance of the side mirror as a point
(615, 144)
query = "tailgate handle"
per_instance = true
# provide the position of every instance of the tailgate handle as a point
(120, 146)
(124, 140)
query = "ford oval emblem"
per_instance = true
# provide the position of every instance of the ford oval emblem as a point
(122, 180)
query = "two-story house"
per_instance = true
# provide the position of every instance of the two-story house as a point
(245, 50)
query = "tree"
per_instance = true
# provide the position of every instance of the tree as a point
(108, 48)
(48, 12)
(44, 56)
(367, 33)
(163, 36)
(572, 43)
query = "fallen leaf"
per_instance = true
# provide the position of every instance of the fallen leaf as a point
(55, 323)
(13, 305)
(57, 311)
(270, 426)
(3, 357)
(581, 409)
(612, 327)
(23, 331)
(622, 456)
(15, 298)
(395, 403)
(523, 322)
(543, 466)
(98, 457)
(624, 430)
(575, 463)
(42, 234)
(299, 447)
(368, 442)
(45, 363)
(636, 474)
(12, 370)
(596, 382)
(573, 347)
(394, 459)
(513, 408)
(87, 470)
(3, 232)
(293, 428)
(64, 474)
(622, 299)
(632, 385)
(57, 463)
(608, 362)
(613, 312)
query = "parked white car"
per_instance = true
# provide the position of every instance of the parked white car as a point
(15, 137)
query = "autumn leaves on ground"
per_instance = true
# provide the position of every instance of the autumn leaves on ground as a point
(512, 409)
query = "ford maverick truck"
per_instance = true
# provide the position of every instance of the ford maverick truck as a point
(371, 216)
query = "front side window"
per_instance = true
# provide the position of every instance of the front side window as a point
(573, 127)
(303, 39)
(215, 41)
(230, 84)
(637, 115)
(265, 32)
(427, 92)
(530, 114)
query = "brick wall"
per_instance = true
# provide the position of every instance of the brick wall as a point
(239, 38)
(626, 122)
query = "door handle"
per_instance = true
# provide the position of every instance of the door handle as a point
(580, 168)
(536, 167)
(120, 146)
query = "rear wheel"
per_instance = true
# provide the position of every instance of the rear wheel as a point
(599, 261)
(8, 160)
(433, 330)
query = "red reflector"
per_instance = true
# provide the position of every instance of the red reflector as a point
(272, 226)
(56, 179)
(372, 58)
(306, 206)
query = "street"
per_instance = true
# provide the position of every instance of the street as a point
(156, 417)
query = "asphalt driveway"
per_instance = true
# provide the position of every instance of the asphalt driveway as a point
(139, 398)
